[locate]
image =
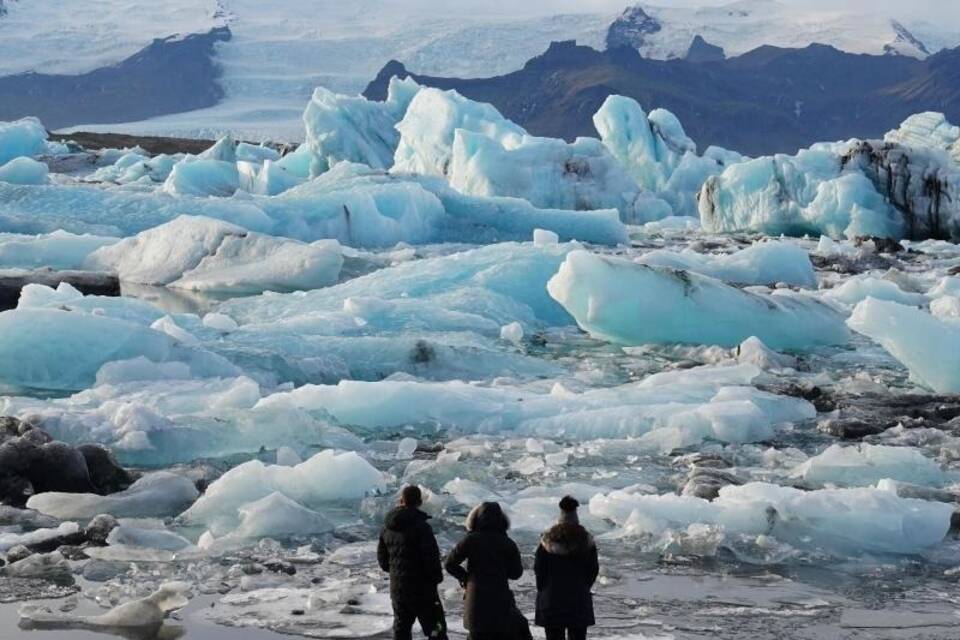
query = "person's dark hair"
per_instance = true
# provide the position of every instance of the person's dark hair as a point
(569, 503)
(411, 496)
(488, 516)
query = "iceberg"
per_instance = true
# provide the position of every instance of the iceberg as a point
(325, 478)
(203, 254)
(843, 521)
(353, 129)
(197, 176)
(24, 171)
(851, 189)
(867, 464)
(658, 153)
(859, 288)
(160, 494)
(764, 263)
(923, 343)
(633, 304)
(929, 130)
(26, 137)
(132, 167)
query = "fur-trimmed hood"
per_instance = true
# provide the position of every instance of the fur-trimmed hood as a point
(566, 538)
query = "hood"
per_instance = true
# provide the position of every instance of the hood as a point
(403, 518)
(566, 538)
(488, 516)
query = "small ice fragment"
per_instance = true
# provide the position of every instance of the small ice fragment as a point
(512, 332)
(545, 238)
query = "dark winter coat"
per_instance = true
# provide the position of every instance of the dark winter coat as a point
(408, 550)
(492, 561)
(566, 567)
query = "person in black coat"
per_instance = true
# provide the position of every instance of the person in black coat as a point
(493, 559)
(566, 566)
(409, 551)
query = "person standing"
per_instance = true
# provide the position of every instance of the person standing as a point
(408, 551)
(492, 559)
(566, 566)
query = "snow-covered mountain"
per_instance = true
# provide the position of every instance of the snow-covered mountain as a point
(664, 33)
(278, 52)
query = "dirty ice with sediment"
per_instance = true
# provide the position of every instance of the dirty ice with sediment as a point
(747, 370)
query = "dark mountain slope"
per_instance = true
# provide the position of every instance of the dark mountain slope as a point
(766, 101)
(168, 76)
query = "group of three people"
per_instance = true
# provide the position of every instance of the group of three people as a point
(566, 567)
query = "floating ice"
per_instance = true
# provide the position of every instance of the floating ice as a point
(202, 254)
(354, 129)
(58, 250)
(63, 350)
(846, 521)
(326, 477)
(666, 410)
(156, 495)
(37, 536)
(658, 153)
(144, 616)
(763, 263)
(867, 464)
(859, 288)
(627, 303)
(946, 308)
(929, 130)
(132, 167)
(24, 171)
(25, 137)
(923, 343)
(274, 516)
(155, 538)
(429, 126)
(857, 188)
(246, 152)
(195, 176)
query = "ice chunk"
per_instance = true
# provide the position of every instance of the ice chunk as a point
(665, 411)
(156, 495)
(627, 303)
(326, 477)
(923, 343)
(548, 173)
(947, 286)
(857, 188)
(429, 126)
(24, 171)
(512, 332)
(946, 308)
(142, 618)
(270, 179)
(132, 167)
(763, 263)
(544, 238)
(859, 288)
(220, 322)
(223, 150)
(354, 129)
(657, 152)
(844, 521)
(58, 250)
(287, 457)
(274, 516)
(406, 448)
(247, 152)
(156, 538)
(198, 253)
(929, 130)
(25, 137)
(195, 176)
(753, 351)
(54, 349)
(867, 464)
(37, 536)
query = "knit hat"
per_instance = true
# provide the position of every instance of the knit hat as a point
(568, 510)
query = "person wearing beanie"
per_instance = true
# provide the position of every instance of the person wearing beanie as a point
(408, 551)
(566, 566)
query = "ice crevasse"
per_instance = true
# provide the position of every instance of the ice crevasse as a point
(628, 303)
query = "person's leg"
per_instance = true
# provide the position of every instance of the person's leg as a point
(433, 621)
(554, 633)
(403, 619)
(577, 633)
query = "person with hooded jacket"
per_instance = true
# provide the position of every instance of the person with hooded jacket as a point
(566, 566)
(408, 551)
(492, 559)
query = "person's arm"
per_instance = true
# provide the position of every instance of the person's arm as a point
(455, 560)
(383, 555)
(593, 565)
(540, 566)
(430, 554)
(514, 562)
